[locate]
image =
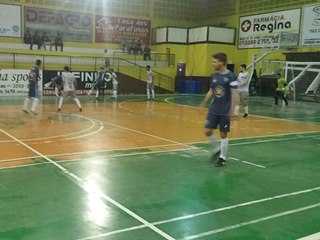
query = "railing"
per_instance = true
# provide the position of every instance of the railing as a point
(158, 59)
(75, 62)
(82, 63)
(139, 72)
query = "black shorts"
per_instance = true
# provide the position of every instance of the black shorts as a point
(214, 120)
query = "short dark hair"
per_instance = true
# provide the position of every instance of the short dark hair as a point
(148, 66)
(279, 74)
(38, 62)
(243, 66)
(66, 68)
(222, 57)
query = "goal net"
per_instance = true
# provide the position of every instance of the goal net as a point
(304, 79)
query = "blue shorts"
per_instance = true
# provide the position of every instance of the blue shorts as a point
(33, 91)
(214, 120)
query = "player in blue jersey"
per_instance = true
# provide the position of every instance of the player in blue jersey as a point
(99, 83)
(223, 90)
(34, 78)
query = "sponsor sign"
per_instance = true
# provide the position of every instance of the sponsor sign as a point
(310, 31)
(258, 31)
(74, 26)
(15, 82)
(10, 21)
(119, 29)
(85, 81)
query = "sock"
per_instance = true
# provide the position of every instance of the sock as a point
(214, 143)
(25, 104)
(236, 110)
(97, 94)
(34, 104)
(224, 148)
(60, 102)
(115, 94)
(246, 110)
(153, 93)
(77, 102)
(148, 93)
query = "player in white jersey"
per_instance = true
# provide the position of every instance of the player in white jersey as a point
(114, 83)
(243, 89)
(69, 89)
(150, 83)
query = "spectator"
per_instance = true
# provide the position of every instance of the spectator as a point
(58, 41)
(35, 40)
(147, 53)
(27, 37)
(131, 47)
(106, 59)
(124, 46)
(46, 41)
(138, 47)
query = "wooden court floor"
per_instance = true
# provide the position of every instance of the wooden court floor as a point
(134, 169)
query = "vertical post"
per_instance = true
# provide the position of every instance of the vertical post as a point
(95, 64)
(155, 59)
(14, 60)
(70, 62)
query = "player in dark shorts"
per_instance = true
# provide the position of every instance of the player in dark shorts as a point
(34, 78)
(57, 85)
(222, 91)
(99, 83)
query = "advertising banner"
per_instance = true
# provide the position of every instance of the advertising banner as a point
(10, 21)
(310, 31)
(118, 29)
(14, 82)
(85, 82)
(74, 26)
(258, 31)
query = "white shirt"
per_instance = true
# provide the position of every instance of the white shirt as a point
(68, 80)
(243, 82)
(149, 76)
(114, 78)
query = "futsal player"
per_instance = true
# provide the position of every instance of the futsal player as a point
(69, 89)
(99, 84)
(150, 83)
(114, 84)
(223, 90)
(280, 91)
(33, 94)
(57, 85)
(243, 89)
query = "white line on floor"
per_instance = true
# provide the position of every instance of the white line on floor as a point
(85, 186)
(315, 236)
(246, 162)
(190, 216)
(204, 234)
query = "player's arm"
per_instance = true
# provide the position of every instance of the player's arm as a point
(207, 98)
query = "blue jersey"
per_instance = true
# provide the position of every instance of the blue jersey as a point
(221, 85)
(34, 74)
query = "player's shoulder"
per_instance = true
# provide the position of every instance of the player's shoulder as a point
(230, 75)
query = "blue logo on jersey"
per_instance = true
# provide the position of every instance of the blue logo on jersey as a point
(226, 79)
(214, 80)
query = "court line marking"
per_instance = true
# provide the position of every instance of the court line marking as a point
(93, 125)
(84, 186)
(88, 134)
(258, 116)
(153, 146)
(154, 136)
(244, 204)
(88, 152)
(204, 234)
(113, 232)
(315, 236)
(246, 162)
(111, 156)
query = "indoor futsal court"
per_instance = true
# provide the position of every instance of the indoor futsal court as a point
(160, 119)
